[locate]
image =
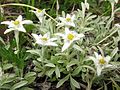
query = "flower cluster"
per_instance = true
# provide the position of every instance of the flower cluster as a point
(69, 36)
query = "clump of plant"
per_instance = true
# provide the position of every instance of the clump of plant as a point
(80, 49)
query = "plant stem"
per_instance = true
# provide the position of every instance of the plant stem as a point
(17, 39)
(42, 55)
(107, 36)
(25, 5)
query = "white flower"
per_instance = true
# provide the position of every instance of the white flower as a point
(39, 13)
(45, 40)
(69, 37)
(16, 25)
(67, 21)
(100, 62)
(117, 25)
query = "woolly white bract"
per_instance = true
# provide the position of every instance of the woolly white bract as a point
(40, 14)
(45, 40)
(16, 25)
(100, 62)
(69, 37)
(67, 21)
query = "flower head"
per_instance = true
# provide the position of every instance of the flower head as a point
(69, 37)
(39, 13)
(67, 21)
(16, 25)
(117, 25)
(100, 62)
(45, 40)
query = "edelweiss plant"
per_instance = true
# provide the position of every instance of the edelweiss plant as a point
(67, 21)
(45, 40)
(39, 13)
(69, 37)
(16, 26)
(54, 59)
(101, 62)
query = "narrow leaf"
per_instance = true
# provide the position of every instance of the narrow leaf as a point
(18, 85)
(7, 66)
(114, 52)
(30, 74)
(57, 72)
(62, 81)
(74, 82)
(50, 65)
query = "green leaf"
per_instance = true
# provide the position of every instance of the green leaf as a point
(73, 62)
(50, 72)
(5, 87)
(19, 85)
(60, 61)
(8, 78)
(105, 86)
(25, 88)
(72, 86)
(30, 74)
(89, 67)
(114, 52)
(62, 81)
(57, 72)
(116, 85)
(36, 51)
(78, 48)
(77, 71)
(50, 65)
(7, 66)
(2, 40)
(30, 77)
(37, 64)
(74, 82)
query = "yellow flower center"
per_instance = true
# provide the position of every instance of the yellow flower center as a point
(70, 36)
(16, 22)
(102, 61)
(39, 11)
(68, 19)
(44, 39)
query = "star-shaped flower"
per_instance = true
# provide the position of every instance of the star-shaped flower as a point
(100, 62)
(16, 25)
(45, 40)
(67, 21)
(69, 37)
(39, 13)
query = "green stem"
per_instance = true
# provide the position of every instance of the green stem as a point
(67, 53)
(24, 5)
(17, 39)
(107, 36)
(42, 56)
(112, 6)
